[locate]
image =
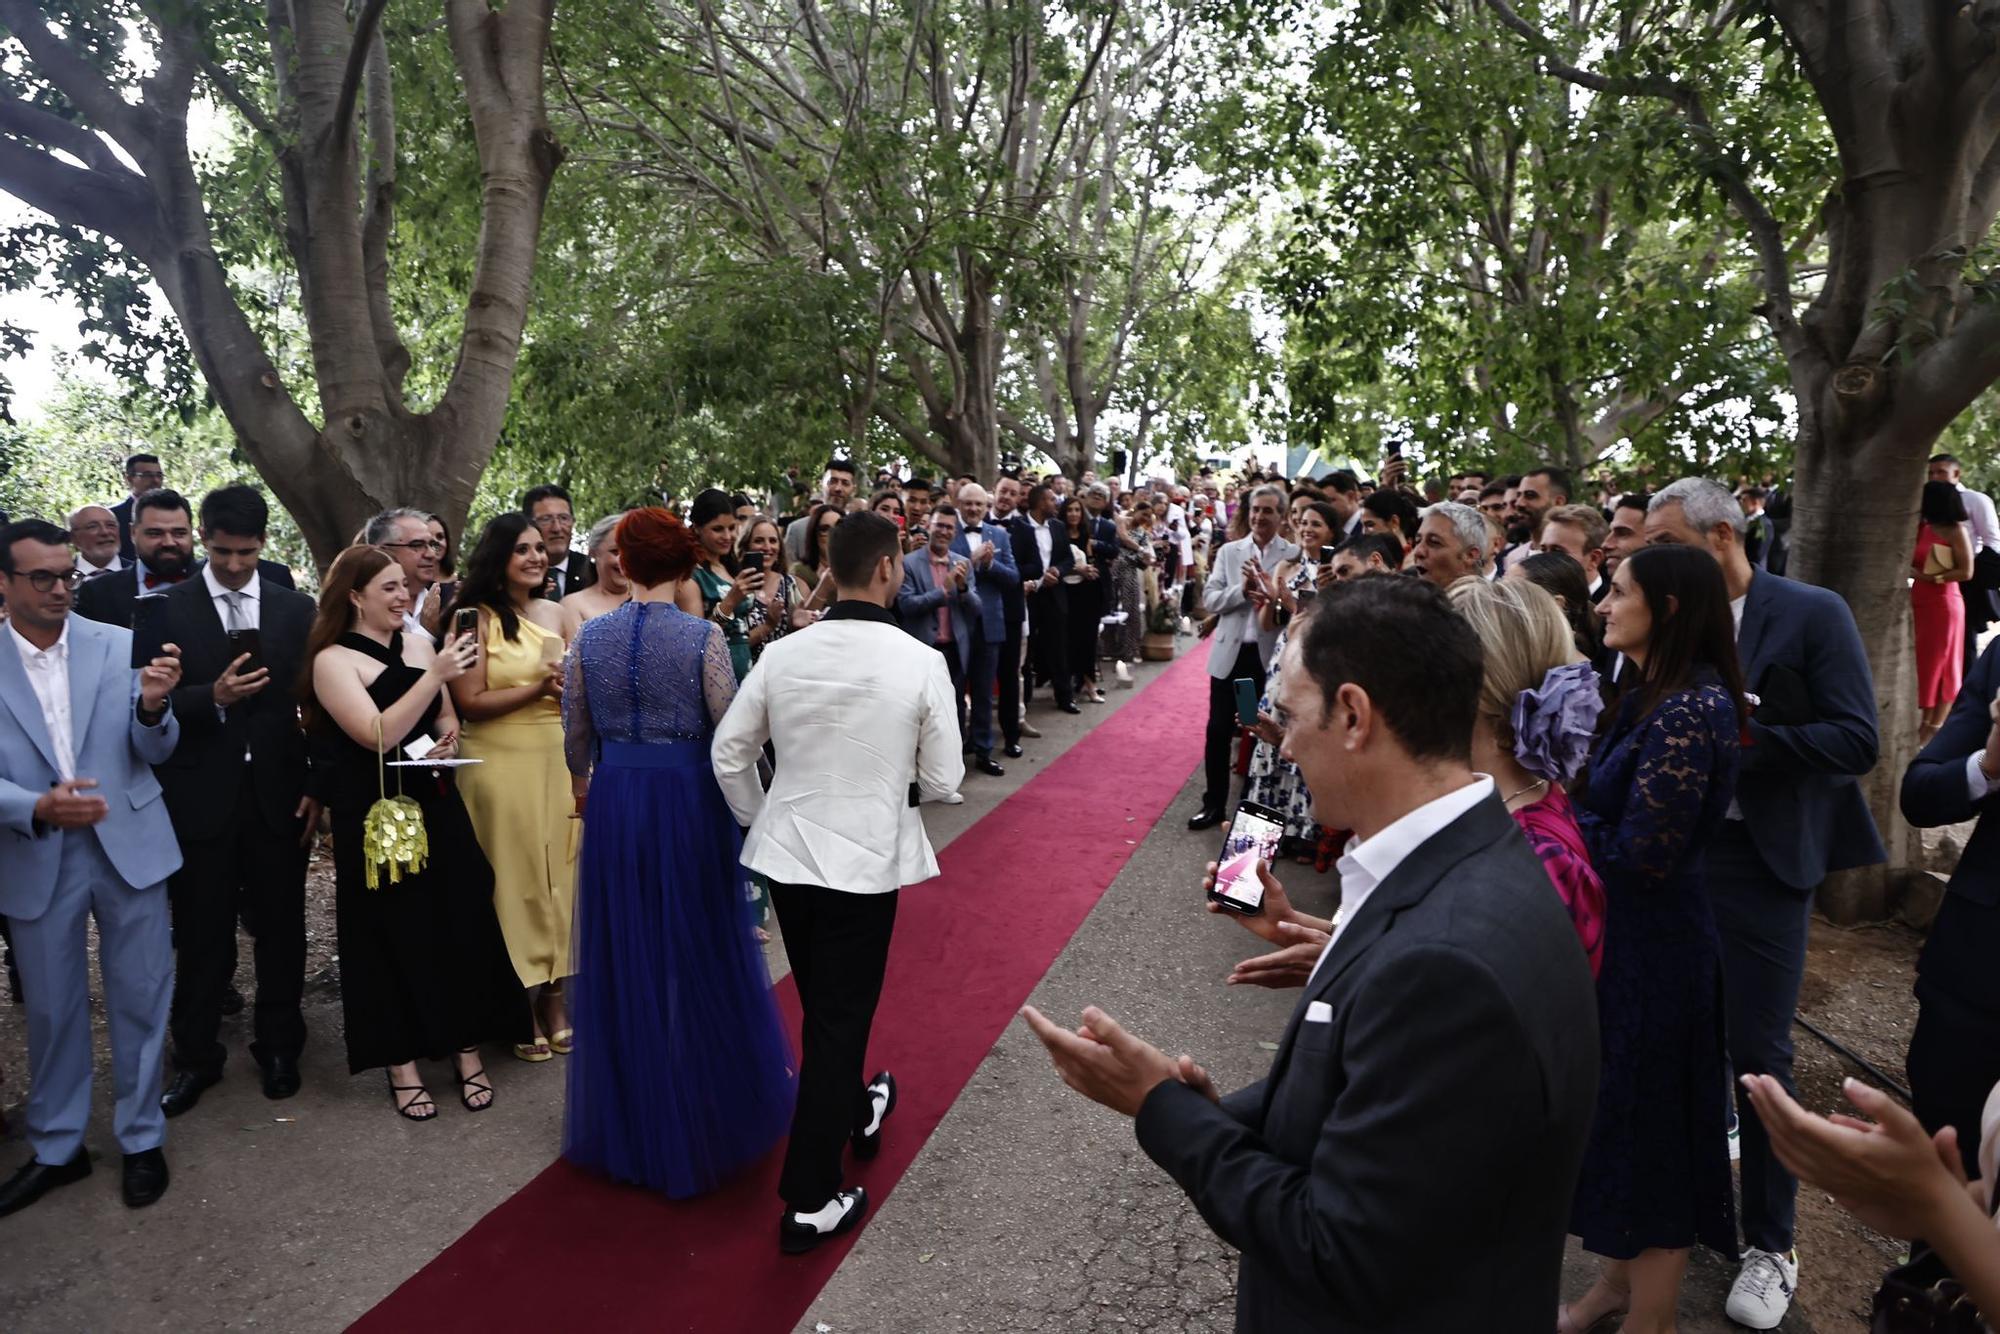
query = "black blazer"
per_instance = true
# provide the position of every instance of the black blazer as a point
(204, 773)
(1439, 1108)
(110, 598)
(582, 574)
(1028, 556)
(1958, 957)
(122, 512)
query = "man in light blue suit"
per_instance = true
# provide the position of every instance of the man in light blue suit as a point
(938, 604)
(997, 580)
(83, 833)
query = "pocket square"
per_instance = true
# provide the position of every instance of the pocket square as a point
(1319, 1012)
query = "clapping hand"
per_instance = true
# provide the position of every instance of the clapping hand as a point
(1102, 1061)
(65, 806)
(1291, 966)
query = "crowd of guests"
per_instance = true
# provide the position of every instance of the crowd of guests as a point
(1627, 687)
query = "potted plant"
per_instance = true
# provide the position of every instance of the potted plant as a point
(1162, 621)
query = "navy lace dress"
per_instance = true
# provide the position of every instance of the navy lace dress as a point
(1656, 1172)
(681, 1073)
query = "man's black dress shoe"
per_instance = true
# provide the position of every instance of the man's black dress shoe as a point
(145, 1178)
(35, 1180)
(868, 1142)
(1205, 818)
(1012, 750)
(232, 1002)
(796, 1236)
(1070, 707)
(281, 1076)
(185, 1090)
(986, 764)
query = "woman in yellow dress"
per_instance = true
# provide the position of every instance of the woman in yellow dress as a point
(519, 796)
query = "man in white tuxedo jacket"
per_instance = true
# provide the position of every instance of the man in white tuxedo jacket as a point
(1239, 647)
(865, 724)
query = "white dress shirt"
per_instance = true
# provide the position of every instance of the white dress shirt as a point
(246, 615)
(89, 571)
(1735, 811)
(1045, 543)
(1364, 866)
(1985, 523)
(413, 619)
(48, 677)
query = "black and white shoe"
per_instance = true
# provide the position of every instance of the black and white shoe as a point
(882, 1096)
(799, 1231)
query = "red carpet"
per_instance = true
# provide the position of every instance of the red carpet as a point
(572, 1251)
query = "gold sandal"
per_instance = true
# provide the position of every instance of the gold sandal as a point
(538, 1050)
(560, 1043)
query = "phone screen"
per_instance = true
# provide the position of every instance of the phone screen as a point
(1253, 837)
(250, 642)
(145, 639)
(753, 562)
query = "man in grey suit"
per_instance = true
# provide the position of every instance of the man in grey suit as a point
(940, 607)
(77, 721)
(1238, 587)
(1433, 1091)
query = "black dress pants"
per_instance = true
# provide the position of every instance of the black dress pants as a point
(1222, 726)
(1763, 923)
(267, 867)
(838, 945)
(1954, 1059)
(949, 651)
(1048, 623)
(1007, 669)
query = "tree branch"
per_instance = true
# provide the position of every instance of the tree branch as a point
(357, 64)
(90, 92)
(29, 121)
(122, 209)
(232, 93)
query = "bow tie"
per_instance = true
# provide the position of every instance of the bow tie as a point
(149, 582)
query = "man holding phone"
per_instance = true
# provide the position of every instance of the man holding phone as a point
(237, 791)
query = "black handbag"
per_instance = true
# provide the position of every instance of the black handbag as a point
(1921, 1297)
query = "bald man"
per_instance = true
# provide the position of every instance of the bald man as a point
(93, 531)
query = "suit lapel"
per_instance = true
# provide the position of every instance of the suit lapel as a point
(1756, 612)
(86, 665)
(20, 698)
(1414, 877)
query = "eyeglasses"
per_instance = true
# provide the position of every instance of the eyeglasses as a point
(44, 581)
(146, 475)
(416, 544)
(548, 521)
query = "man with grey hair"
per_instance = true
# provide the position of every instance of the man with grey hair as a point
(1798, 816)
(406, 535)
(93, 531)
(1239, 584)
(1452, 543)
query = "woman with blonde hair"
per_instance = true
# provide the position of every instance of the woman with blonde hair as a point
(1538, 706)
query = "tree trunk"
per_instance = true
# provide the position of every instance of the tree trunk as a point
(1854, 520)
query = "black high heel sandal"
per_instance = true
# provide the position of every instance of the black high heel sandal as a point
(410, 1111)
(473, 1084)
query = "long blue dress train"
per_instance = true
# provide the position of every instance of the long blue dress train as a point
(681, 1072)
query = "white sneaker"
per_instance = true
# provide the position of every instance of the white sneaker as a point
(1124, 674)
(1763, 1289)
(952, 799)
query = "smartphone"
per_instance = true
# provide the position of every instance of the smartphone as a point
(246, 641)
(146, 613)
(753, 562)
(1253, 837)
(465, 621)
(1246, 700)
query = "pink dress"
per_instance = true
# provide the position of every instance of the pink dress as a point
(1939, 613)
(1551, 829)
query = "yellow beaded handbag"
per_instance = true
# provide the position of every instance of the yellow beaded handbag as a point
(392, 833)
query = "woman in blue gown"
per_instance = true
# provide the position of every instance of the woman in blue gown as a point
(1655, 1175)
(681, 1073)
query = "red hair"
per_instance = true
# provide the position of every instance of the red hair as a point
(655, 548)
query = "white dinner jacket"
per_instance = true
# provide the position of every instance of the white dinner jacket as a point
(857, 711)
(1236, 619)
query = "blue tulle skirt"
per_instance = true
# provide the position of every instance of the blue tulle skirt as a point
(682, 1073)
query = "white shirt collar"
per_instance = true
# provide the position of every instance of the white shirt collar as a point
(85, 564)
(218, 592)
(58, 651)
(1365, 865)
